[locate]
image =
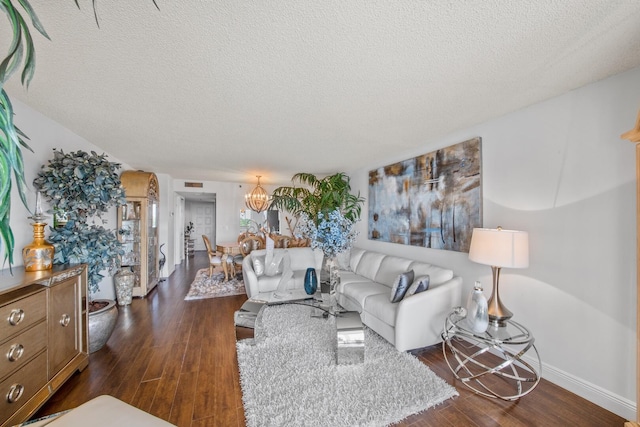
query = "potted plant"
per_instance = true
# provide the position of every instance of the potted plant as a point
(84, 186)
(327, 212)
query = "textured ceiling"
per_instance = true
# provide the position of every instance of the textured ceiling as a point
(224, 90)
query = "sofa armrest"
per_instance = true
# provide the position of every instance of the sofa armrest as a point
(249, 277)
(420, 318)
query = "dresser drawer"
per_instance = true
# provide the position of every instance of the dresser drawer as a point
(20, 314)
(16, 390)
(16, 351)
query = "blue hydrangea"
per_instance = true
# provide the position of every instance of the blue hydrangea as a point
(333, 233)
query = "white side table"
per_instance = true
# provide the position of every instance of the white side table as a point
(491, 363)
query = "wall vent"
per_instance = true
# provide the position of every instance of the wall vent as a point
(193, 184)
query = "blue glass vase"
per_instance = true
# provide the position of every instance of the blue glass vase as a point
(310, 281)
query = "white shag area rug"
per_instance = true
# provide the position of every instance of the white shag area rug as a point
(215, 286)
(290, 377)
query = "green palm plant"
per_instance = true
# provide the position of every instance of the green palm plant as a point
(21, 55)
(319, 195)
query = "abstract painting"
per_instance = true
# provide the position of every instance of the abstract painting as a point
(433, 200)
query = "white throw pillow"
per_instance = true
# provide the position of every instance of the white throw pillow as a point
(421, 284)
(258, 264)
(400, 286)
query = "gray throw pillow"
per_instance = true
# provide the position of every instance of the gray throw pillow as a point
(421, 284)
(400, 286)
(258, 264)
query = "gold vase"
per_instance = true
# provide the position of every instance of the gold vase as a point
(38, 255)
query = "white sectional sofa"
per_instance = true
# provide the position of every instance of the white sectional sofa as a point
(365, 286)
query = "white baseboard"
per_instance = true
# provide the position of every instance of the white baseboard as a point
(593, 393)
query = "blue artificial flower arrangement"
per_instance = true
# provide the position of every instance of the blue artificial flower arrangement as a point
(332, 232)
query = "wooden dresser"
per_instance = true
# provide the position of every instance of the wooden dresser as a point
(43, 336)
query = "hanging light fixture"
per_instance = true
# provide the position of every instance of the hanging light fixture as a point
(258, 199)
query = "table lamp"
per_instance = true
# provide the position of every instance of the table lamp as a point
(500, 249)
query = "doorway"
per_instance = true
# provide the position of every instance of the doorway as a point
(203, 216)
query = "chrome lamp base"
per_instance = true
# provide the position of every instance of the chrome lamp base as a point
(498, 313)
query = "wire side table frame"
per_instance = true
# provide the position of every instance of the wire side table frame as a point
(509, 343)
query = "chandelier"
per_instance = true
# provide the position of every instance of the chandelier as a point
(258, 199)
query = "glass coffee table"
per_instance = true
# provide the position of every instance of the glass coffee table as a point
(349, 343)
(502, 362)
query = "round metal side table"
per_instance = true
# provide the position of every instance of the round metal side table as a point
(491, 363)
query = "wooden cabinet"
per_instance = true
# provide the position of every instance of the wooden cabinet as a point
(43, 336)
(139, 220)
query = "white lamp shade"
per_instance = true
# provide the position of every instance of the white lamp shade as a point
(500, 248)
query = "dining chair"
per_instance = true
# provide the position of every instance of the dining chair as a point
(215, 258)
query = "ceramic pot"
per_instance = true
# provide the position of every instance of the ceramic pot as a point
(101, 324)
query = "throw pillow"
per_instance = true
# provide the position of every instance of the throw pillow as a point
(274, 267)
(258, 265)
(400, 286)
(421, 284)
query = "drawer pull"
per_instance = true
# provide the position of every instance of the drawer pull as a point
(16, 316)
(15, 393)
(65, 319)
(15, 352)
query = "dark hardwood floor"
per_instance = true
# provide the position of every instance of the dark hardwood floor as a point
(176, 359)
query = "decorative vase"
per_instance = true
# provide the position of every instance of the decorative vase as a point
(101, 324)
(310, 281)
(477, 310)
(38, 255)
(124, 280)
(329, 275)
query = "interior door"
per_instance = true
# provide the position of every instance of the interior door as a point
(203, 214)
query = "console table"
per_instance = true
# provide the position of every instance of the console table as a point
(478, 359)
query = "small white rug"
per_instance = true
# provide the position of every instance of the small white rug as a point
(290, 378)
(215, 286)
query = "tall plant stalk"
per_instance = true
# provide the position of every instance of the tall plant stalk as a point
(21, 55)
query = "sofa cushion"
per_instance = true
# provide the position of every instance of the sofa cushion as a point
(390, 268)
(358, 292)
(369, 264)
(378, 306)
(270, 283)
(437, 275)
(420, 284)
(343, 259)
(400, 286)
(356, 256)
(303, 258)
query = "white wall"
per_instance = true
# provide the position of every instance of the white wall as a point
(560, 171)
(166, 223)
(45, 135)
